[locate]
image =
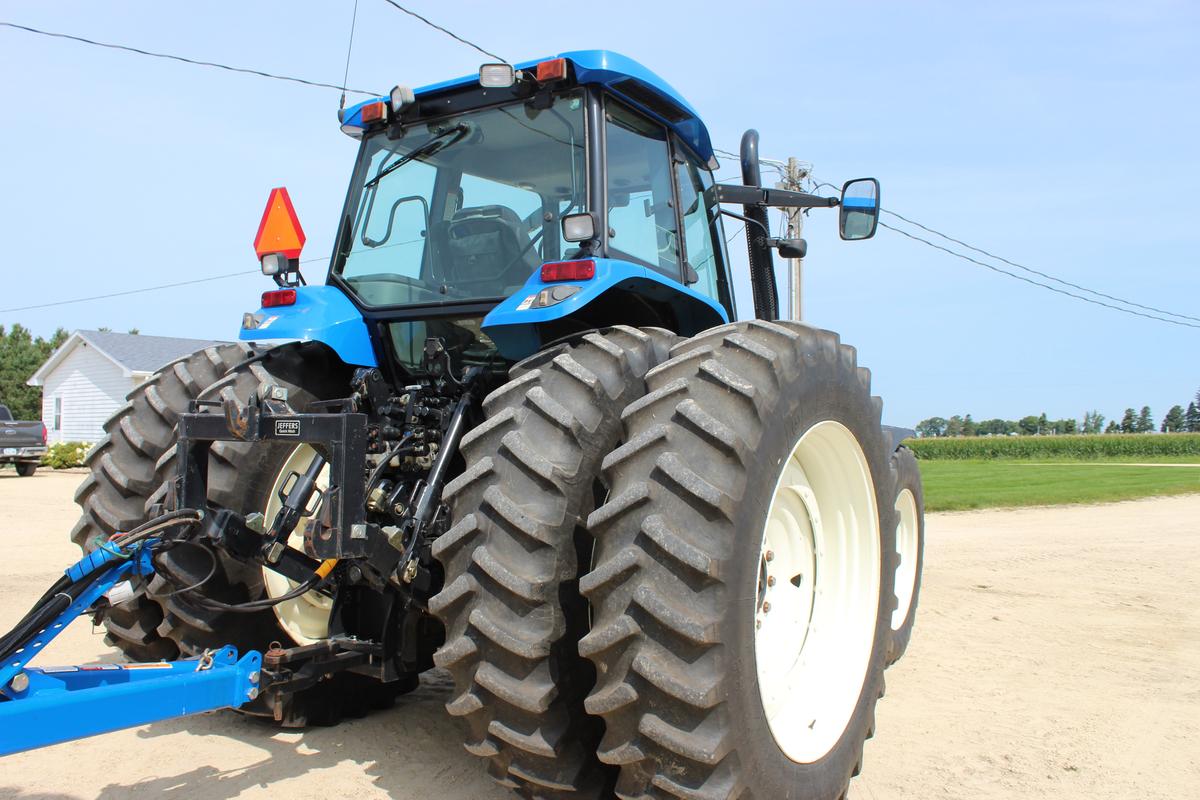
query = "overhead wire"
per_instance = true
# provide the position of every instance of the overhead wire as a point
(146, 289)
(183, 59)
(449, 33)
(819, 184)
(1037, 272)
(1055, 289)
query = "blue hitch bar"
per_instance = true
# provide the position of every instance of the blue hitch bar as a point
(48, 705)
(57, 704)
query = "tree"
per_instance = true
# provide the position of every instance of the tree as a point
(20, 356)
(1028, 425)
(1145, 423)
(1191, 418)
(954, 426)
(969, 426)
(1043, 424)
(934, 426)
(1174, 420)
(1113, 427)
(1129, 421)
(1093, 422)
(1067, 426)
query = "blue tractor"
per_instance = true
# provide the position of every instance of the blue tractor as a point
(520, 434)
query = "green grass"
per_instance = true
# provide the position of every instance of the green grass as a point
(958, 485)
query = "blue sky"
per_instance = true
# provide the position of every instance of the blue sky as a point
(1060, 135)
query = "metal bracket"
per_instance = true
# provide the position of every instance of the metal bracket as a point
(343, 436)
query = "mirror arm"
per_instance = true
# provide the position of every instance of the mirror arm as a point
(775, 198)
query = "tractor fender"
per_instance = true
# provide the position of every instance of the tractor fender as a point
(320, 314)
(518, 325)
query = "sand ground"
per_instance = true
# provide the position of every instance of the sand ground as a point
(1057, 654)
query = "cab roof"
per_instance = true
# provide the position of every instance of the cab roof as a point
(620, 75)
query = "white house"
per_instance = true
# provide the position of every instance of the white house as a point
(86, 379)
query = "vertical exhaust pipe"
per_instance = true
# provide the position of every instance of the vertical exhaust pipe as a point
(762, 263)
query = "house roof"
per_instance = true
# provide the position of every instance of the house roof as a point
(135, 353)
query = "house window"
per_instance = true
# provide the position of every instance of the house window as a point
(58, 413)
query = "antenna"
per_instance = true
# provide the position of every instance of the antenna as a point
(349, 50)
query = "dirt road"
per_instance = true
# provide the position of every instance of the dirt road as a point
(1057, 654)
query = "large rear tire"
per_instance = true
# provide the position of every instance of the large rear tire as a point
(511, 605)
(125, 476)
(130, 468)
(742, 583)
(910, 547)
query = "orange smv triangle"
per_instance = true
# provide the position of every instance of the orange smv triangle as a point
(279, 231)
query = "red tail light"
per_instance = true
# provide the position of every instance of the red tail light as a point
(568, 271)
(553, 70)
(375, 112)
(44, 434)
(279, 297)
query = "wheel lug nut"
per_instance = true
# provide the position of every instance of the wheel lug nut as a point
(770, 555)
(757, 624)
(766, 606)
(770, 580)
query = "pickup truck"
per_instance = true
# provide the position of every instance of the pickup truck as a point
(22, 444)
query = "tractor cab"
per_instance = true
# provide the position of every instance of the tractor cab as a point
(530, 203)
(524, 204)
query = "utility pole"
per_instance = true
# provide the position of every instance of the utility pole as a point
(793, 179)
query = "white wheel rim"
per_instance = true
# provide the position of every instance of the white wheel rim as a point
(306, 618)
(817, 600)
(906, 547)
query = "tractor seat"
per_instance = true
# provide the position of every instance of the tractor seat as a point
(482, 248)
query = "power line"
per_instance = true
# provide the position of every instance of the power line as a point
(183, 59)
(144, 289)
(1031, 281)
(449, 33)
(1030, 270)
(1036, 272)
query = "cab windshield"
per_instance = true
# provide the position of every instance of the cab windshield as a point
(463, 208)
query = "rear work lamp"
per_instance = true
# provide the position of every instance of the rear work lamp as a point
(497, 76)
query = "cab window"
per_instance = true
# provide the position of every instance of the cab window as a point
(641, 209)
(704, 241)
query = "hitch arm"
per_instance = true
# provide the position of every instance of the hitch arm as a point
(58, 704)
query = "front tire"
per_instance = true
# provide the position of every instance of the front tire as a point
(757, 447)
(26, 470)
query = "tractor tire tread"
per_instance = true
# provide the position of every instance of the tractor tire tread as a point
(663, 540)
(512, 612)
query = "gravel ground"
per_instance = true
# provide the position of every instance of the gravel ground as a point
(1057, 654)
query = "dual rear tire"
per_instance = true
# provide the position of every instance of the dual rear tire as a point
(734, 590)
(910, 549)
(743, 579)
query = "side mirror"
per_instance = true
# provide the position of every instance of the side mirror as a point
(579, 227)
(791, 248)
(859, 209)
